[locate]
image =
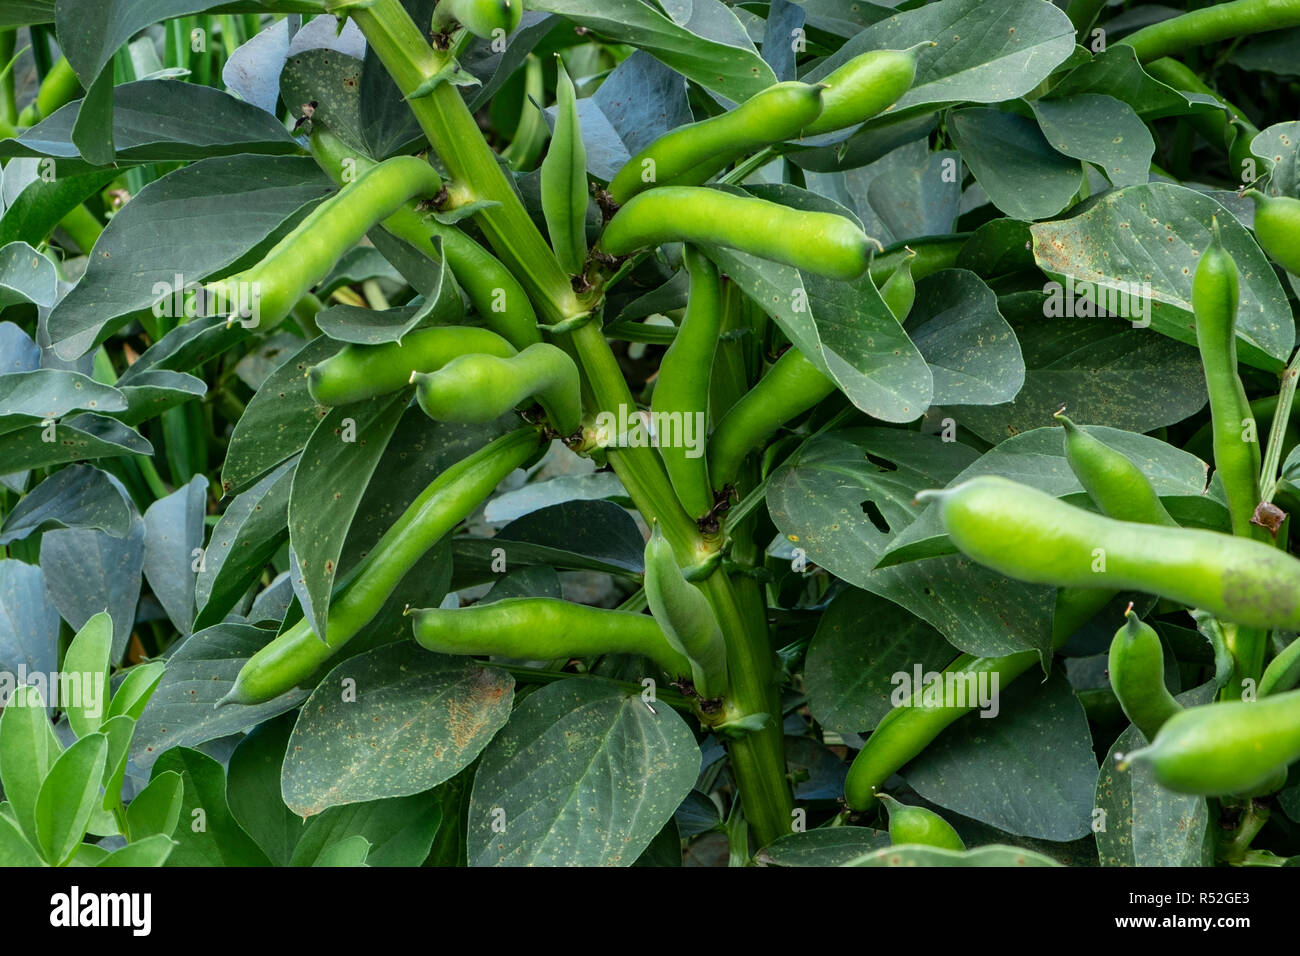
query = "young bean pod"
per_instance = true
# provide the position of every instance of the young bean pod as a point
(682, 386)
(866, 85)
(1225, 748)
(1032, 536)
(819, 242)
(1277, 227)
(1214, 127)
(545, 629)
(1218, 21)
(358, 372)
(532, 132)
(1137, 675)
(1237, 458)
(899, 290)
(690, 154)
(1283, 671)
(564, 180)
(791, 386)
(59, 88)
(496, 295)
(687, 619)
(297, 653)
(919, 826)
(479, 388)
(907, 730)
(263, 295)
(1116, 485)
(480, 17)
(924, 258)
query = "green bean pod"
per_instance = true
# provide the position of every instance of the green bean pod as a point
(264, 294)
(564, 180)
(59, 88)
(358, 372)
(532, 133)
(1237, 459)
(681, 391)
(924, 257)
(544, 629)
(899, 290)
(686, 617)
(919, 826)
(1116, 485)
(1225, 748)
(1032, 536)
(1277, 228)
(690, 154)
(1213, 126)
(479, 388)
(1283, 671)
(480, 17)
(907, 730)
(1137, 675)
(297, 653)
(1218, 21)
(791, 386)
(819, 242)
(494, 292)
(865, 86)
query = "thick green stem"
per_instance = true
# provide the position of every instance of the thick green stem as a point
(761, 755)
(1236, 844)
(456, 138)
(758, 762)
(1219, 21)
(8, 106)
(758, 759)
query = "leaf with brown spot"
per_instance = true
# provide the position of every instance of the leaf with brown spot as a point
(417, 720)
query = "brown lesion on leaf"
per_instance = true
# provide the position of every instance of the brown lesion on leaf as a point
(468, 715)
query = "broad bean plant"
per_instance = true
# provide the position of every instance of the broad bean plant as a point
(611, 432)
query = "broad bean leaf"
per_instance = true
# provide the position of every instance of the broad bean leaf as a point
(279, 419)
(1142, 823)
(182, 213)
(1144, 241)
(199, 673)
(253, 789)
(862, 642)
(88, 571)
(977, 59)
(1014, 163)
(397, 832)
(1027, 768)
(173, 538)
(1098, 129)
(78, 496)
(246, 537)
(583, 775)
(334, 469)
(710, 47)
(1103, 371)
(208, 834)
(835, 846)
(983, 856)
(415, 718)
